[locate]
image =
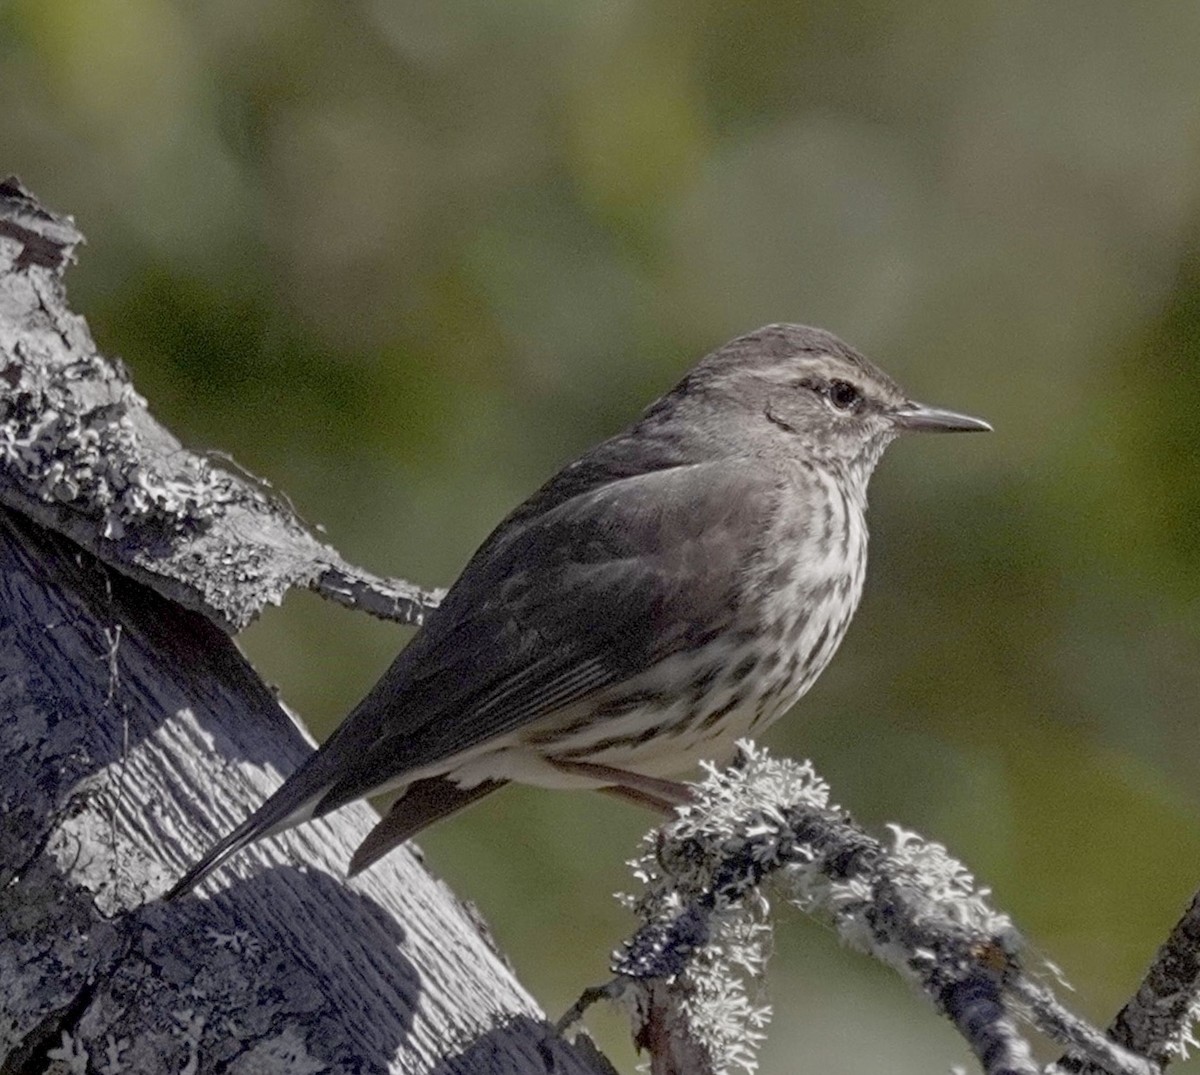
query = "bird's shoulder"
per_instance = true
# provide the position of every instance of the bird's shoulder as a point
(643, 506)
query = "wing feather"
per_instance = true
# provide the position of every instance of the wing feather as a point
(589, 593)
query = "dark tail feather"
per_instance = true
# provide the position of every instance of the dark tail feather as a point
(425, 802)
(293, 802)
(244, 834)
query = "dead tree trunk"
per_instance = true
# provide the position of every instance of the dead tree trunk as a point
(133, 732)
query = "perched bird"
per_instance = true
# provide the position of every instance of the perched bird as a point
(675, 588)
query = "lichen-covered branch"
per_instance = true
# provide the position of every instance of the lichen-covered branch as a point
(1158, 1020)
(133, 732)
(81, 453)
(690, 968)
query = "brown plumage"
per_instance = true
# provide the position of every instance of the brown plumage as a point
(678, 586)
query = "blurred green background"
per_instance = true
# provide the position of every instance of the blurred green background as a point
(405, 259)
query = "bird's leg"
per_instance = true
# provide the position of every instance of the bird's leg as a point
(640, 798)
(636, 787)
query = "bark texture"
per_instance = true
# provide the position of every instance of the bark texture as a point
(81, 453)
(132, 733)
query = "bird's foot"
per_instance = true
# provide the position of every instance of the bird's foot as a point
(653, 792)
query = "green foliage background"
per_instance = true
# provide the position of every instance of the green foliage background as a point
(404, 259)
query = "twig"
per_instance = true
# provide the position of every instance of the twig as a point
(1157, 1022)
(705, 929)
(976, 1007)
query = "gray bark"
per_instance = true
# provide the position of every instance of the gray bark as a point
(133, 733)
(81, 454)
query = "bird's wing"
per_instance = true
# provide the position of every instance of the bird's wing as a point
(585, 595)
(591, 581)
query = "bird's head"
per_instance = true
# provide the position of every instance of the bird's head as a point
(805, 388)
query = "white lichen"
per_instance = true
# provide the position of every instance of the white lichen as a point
(68, 1058)
(723, 922)
(704, 912)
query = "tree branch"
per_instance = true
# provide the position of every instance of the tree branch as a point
(132, 732)
(705, 929)
(81, 454)
(1157, 1022)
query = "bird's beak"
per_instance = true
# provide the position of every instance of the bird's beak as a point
(918, 418)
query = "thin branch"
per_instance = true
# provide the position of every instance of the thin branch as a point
(388, 599)
(977, 1008)
(1157, 1022)
(705, 929)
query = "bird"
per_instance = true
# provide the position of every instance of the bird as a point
(674, 589)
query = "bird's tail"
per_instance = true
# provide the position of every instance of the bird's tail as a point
(422, 803)
(296, 800)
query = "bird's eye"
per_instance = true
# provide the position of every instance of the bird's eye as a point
(843, 395)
